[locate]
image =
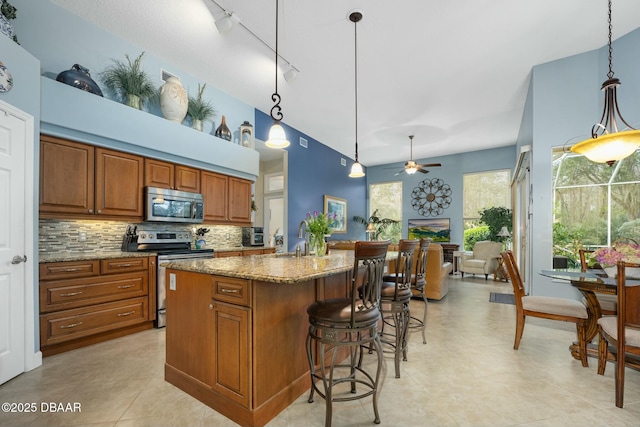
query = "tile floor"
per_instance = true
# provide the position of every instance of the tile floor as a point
(466, 375)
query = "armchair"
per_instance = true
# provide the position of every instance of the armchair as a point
(483, 259)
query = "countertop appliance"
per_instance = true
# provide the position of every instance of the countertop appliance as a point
(252, 236)
(166, 205)
(170, 246)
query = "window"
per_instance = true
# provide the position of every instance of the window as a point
(386, 198)
(594, 204)
(482, 190)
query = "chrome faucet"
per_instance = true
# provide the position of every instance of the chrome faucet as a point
(302, 232)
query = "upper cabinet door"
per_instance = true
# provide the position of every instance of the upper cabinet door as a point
(158, 174)
(66, 176)
(214, 190)
(239, 200)
(187, 179)
(119, 178)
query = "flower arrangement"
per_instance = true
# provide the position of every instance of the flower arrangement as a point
(201, 231)
(318, 224)
(609, 256)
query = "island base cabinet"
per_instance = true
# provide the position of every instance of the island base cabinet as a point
(244, 357)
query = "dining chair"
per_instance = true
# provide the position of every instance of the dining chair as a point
(620, 335)
(395, 297)
(340, 326)
(608, 303)
(552, 308)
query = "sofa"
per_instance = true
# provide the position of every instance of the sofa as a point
(437, 271)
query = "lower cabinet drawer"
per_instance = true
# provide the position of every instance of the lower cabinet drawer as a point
(67, 325)
(66, 294)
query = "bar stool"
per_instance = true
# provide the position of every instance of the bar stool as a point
(349, 323)
(395, 297)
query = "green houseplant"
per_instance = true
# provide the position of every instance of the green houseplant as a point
(129, 83)
(199, 109)
(496, 218)
(382, 226)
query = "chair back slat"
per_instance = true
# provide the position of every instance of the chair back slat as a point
(421, 264)
(404, 264)
(628, 298)
(368, 269)
(514, 274)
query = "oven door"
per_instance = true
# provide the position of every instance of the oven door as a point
(161, 290)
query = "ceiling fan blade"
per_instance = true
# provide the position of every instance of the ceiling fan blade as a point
(398, 173)
(430, 165)
(423, 170)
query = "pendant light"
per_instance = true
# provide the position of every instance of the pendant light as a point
(356, 168)
(277, 137)
(607, 144)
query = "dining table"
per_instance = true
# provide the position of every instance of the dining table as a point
(589, 283)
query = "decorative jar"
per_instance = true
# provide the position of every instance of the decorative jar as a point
(173, 100)
(318, 245)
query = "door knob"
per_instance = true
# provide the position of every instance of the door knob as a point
(18, 259)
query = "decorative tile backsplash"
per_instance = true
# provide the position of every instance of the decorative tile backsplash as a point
(56, 235)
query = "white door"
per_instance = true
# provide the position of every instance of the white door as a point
(14, 137)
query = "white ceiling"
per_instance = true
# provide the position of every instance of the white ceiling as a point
(453, 73)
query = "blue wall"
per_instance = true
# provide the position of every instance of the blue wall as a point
(313, 172)
(451, 172)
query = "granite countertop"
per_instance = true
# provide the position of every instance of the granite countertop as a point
(240, 248)
(276, 268)
(89, 256)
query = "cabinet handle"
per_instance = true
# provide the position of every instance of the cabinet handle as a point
(90, 210)
(211, 306)
(70, 270)
(128, 313)
(124, 265)
(73, 325)
(229, 291)
(70, 294)
(125, 286)
(99, 211)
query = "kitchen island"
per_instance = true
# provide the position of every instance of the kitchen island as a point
(236, 328)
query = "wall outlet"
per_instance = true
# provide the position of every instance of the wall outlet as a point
(172, 281)
(82, 236)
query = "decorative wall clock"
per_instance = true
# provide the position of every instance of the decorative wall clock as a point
(431, 197)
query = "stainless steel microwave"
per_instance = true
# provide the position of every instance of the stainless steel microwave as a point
(166, 205)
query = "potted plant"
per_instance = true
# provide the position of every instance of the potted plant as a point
(379, 225)
(608, 257)
(496, 218)
(129, 83)
(200, 110)
(7, 12)
(200, 241)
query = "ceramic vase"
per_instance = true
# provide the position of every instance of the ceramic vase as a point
(6, 28)
(174, 100)
(630, 273)
(78, 76)
(223, 131)
(197, 124)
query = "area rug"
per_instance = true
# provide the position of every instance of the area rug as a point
(502, 298)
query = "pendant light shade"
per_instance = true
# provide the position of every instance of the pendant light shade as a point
(607, 144)
(277, 136)
(356, 168)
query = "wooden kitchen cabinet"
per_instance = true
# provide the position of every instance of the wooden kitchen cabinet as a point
(84, 302)
(158, 173)
(118, 183)
(79, 180)
(219, 333)
(227, 200)
(66, 176)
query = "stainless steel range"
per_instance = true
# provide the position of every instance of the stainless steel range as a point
(170, 246)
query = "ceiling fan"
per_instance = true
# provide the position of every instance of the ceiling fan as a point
(412, 167)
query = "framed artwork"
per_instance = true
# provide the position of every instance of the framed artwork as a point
(437, 229)
(338, 206)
